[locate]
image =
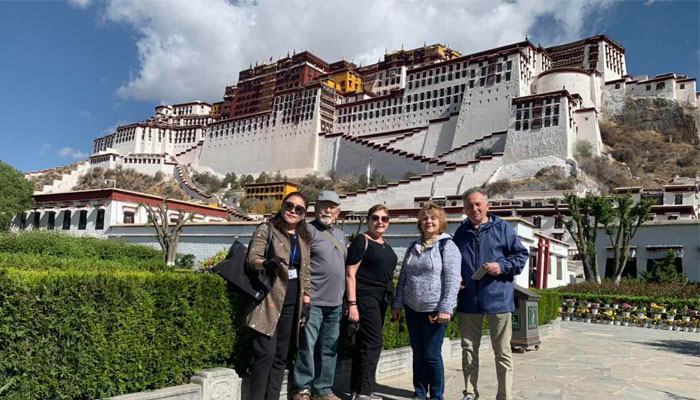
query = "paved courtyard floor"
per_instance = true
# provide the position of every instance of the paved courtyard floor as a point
(587, 361)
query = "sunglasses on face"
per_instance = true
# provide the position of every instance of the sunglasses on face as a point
(375, 218)
(298, 210)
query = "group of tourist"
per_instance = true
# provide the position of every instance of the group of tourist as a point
(319, 280)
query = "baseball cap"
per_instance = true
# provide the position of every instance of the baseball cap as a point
(328, 195)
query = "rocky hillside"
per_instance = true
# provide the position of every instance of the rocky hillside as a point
(654, 156)
(676, 122)
(129, 179)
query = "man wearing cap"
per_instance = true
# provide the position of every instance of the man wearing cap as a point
(314, 375)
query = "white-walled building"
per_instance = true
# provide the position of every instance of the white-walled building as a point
(93, 212)
(653, 241)
(452, 121)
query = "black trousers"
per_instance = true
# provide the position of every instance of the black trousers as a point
(368, 343)
(270, 357)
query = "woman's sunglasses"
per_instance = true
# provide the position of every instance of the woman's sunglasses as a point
(375, 218)
(298, 210)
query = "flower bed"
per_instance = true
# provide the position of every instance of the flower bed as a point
(642, 314)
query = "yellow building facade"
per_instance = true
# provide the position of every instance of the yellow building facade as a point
(270, 193)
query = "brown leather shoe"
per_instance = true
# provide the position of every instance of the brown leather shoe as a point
(329, 396)
(302, 395)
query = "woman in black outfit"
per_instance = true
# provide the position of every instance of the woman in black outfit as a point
(370, 287)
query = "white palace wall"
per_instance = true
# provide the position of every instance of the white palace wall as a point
(351, 157)
(486, 109)
(495, 143)
(587, 85)
(450, 181)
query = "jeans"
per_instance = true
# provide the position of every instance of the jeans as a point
(270, 357)
(318, 350)
(501, 331)
(426, 343)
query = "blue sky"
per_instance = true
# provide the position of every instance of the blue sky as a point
(73, 71)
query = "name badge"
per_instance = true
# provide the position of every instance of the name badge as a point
(292, 274)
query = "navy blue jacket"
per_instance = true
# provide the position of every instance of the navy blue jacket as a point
(494, 241)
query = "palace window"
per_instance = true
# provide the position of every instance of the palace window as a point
(555, 121)
(82, 222)
(660, 85)
(128, 217)
(682, 86)
(507, 76)
(679, 199)
(37, 219)
(52, 220)
(66, 220)
(648, 87)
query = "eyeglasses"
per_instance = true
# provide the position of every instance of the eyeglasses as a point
(298, 210)
(375, 218)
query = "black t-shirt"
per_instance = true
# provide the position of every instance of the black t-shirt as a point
(375, 275)
(295, 262)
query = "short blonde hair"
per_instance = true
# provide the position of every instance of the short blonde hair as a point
(439, 212)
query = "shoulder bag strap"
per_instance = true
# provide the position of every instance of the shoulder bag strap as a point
(337, 244)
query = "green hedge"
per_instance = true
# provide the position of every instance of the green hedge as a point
(548, 304)
(62, 245)
(92, 334)
(38, 261)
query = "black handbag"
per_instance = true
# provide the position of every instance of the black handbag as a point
(252, 284)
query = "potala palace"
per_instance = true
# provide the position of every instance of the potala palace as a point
(454, 121)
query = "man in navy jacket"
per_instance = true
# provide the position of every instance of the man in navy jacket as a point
(490, 246)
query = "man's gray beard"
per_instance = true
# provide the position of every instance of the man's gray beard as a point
(324, 223)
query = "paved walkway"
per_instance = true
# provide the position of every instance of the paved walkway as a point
(587, 361)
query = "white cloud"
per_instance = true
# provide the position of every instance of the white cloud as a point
(44, 149)
(79, 3)
(72, 153)
(190, 49)
(113, 128)
(84, 114)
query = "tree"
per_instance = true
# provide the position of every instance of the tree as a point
(168, 236)
(311, 185)
(375, 179)
(278, 177)
(483, 152)
(15, 194)
(586, 213)
(231, 179)
(263, 178)
(664, 271)
(626, 219)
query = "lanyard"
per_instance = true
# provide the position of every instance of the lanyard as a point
(294, 251)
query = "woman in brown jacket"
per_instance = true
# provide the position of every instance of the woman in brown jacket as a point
(278, 317)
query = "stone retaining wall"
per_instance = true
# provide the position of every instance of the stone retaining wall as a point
(225, 384)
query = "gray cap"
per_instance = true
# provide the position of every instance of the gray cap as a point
(328, 195)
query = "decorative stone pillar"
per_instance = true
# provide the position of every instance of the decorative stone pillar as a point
(218, 384)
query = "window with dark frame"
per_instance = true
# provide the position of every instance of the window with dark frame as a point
(82, 221)
(100, 221)
(52, 220)
(66, 220)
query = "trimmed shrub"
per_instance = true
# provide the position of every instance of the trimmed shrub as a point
(548, 304)
(38, 261)
(631, 290)
(211, 262)
(93, 334)
(61, 245)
